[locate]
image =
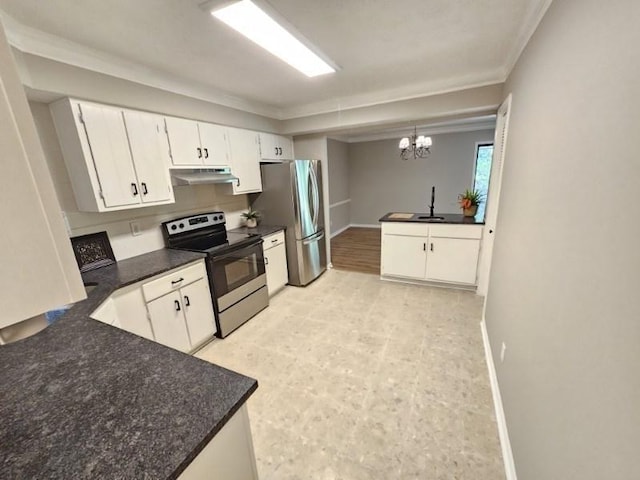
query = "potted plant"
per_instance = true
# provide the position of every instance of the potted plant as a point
(251, 218)
(469, 201)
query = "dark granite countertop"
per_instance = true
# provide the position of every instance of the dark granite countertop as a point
(262, 230)
(82, 399)
(449, 218)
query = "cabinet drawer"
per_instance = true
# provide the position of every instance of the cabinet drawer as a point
(409, 229)
(173, 280)
(456, 231)
(273, 240)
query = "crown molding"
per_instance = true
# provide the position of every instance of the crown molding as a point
(383, 97)
(527, 29)
(456, 126)
(35, 42)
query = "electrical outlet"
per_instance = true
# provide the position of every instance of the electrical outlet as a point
(502, 351)
(135, 228)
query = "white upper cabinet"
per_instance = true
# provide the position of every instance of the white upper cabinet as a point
(215, 149)
(197, 144)
(184, 141)
(275, 147)
(115, 159)
(245, 160)
(150, 156)
(107, 137)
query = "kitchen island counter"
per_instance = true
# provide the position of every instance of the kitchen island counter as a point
(413, 217)
(82, 399)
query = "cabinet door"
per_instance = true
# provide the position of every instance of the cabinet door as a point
(198, 311)
(145, 133)
(268, 146)
(453, 260)
(404, 256)
(167, 319)
(107, 137)
(215, 149)
(245, 160)
(286, 148)
(276, 267)
(184, 142)
(131, 312)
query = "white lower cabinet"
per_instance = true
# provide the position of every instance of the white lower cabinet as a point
(453, 260)
(404, 256)
(437, 253)
(174, 309)
(198, 312)
(167, 319)
(275, 259)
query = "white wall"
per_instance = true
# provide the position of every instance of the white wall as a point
(381, 182)
(339, 201)
(565, 274)
(189, 200)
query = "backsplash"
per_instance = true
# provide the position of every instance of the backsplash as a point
(189, 200)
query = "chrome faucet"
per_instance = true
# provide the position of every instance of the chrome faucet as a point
(433, 201)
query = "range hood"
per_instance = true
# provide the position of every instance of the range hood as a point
(199, 176)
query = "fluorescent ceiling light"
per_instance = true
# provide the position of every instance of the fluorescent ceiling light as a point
(251, 21)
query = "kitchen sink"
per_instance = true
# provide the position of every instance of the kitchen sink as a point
(428, 218)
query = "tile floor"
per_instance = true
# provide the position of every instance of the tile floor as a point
(365, 379)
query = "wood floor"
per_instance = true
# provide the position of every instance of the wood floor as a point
(357, 250)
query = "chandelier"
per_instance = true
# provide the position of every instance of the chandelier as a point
(416, 146)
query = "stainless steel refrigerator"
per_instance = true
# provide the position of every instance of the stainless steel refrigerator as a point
(292, 197)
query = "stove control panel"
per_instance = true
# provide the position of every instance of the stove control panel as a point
(196, 222)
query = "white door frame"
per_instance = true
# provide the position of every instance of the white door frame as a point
(493, 197)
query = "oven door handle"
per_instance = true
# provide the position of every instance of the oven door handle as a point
(240, 249)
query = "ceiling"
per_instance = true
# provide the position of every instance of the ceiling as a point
(386, 50)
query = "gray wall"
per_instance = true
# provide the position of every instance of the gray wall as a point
(566, 265)
(381, 182)
(340, 213)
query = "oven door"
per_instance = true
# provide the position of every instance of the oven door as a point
(237, 273)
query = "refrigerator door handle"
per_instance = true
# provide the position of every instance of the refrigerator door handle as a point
(297, 208)
(316, 197)
(314, 238)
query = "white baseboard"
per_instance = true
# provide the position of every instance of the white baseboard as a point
(354, 225)
(507, 454)
(364, 225)
(338, 232)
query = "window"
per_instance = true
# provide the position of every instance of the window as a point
(484, 154)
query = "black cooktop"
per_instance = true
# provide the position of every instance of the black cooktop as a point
(205, 233)
(217, 243)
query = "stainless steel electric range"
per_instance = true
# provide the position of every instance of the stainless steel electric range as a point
(235, 265)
